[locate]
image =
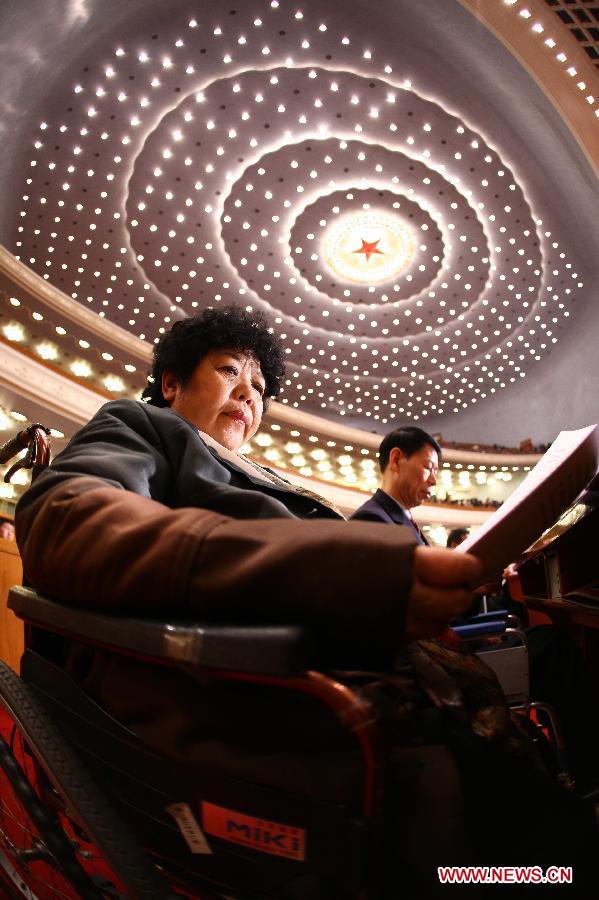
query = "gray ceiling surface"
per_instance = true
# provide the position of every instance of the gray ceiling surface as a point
(383, 178)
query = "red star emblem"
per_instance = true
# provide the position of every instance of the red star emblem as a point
(368, 249)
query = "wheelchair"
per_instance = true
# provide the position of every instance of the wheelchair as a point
(109, 817)
(88, 810)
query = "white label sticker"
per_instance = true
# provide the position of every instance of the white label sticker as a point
(189, 827)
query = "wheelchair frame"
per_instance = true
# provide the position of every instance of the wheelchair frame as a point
(279, 657)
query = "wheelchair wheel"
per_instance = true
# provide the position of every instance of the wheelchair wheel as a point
(49, 806)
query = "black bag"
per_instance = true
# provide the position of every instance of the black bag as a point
(466, 783)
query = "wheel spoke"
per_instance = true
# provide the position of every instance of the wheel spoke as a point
(26, 827)
(49, 805)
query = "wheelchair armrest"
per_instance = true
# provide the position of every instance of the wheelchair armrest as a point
(479, 629)
(264, 649)
(496, 615)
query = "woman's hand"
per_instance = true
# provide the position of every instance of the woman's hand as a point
(440, 590)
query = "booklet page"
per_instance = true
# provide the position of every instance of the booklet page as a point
(546, 492)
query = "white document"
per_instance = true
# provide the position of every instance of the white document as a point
(547, 491)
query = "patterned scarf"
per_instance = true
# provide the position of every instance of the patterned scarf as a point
(261, 473)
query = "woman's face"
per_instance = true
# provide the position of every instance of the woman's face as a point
(224, 397)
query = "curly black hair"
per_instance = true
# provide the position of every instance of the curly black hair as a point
(228, 327)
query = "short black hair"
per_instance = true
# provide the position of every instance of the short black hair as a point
(409, 439)
(456, 536)
(228, 327)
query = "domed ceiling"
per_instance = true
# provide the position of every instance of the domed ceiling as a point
(338, 165)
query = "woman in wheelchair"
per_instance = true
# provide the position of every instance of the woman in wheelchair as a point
(152, 512)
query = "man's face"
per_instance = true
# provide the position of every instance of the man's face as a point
(224, 396)
(7, 531)
(411, 478)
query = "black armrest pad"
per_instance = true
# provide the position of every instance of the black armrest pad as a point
(266, 649)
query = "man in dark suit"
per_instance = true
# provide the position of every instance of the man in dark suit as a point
(409, 460)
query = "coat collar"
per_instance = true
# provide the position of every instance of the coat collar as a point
(261, 475)
(397, 513)
(393, 509)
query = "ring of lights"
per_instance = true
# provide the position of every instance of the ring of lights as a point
(301, 257)
(334, 215)
(240, 189)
